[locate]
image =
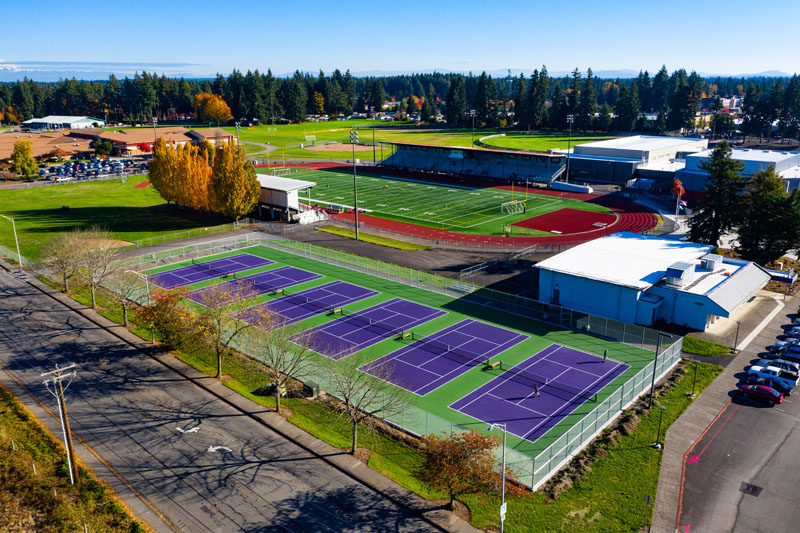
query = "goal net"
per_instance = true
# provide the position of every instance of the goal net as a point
(281, 172)
(513, 207)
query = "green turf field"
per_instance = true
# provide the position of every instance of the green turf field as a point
(448, 207)
(436, 402)
(129, 213)
(540, 142)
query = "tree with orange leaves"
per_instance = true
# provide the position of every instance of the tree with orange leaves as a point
(211, 108)
(463, 463)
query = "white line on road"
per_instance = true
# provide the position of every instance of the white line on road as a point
(760, 326)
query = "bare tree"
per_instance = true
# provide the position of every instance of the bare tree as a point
(61, 254)
(221, 317)
(363, 395)
(283, 358)
(97, 253)
(126, 289)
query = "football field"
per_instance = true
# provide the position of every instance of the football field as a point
(440, 206)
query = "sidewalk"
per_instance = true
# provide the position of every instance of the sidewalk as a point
(333, 456)
(685, 431)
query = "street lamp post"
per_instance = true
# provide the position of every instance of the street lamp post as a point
(503, 474)
(146, 288)
(736, 340)
(353, 142)
(237, 126)
(655, 364)
(14, 227)
(694, 380)
(472, 114)
(657, 443)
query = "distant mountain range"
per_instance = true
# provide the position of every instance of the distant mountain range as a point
(48, 71)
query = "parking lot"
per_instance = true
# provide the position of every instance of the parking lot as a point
(729, 461)
(94, 168)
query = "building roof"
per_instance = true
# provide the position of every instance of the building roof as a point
(642, 142)
(138, 135)
(278, 183)
(210, 133)
(42, 143)
(737, 288)
(477, 150)
(62, 119)
(627, 259)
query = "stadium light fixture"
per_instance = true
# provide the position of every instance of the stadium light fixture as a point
(491, 427)
(570, 119)
(14, 227)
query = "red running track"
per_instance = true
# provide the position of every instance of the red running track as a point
(630, 217)
(567, 220)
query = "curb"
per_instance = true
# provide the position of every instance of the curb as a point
(433, 514)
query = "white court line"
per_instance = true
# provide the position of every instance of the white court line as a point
(544, 386)
(581, 370)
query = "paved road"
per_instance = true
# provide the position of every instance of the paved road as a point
(740, 467)
(128, 407)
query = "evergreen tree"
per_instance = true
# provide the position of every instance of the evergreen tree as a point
(603, 122)
(660, 91)
(587, 104)
(718, 212)
(575, 91)
(770, 219)
(521, 104)
(645, 89)
(626, 110)
(428, 111)
(790, 123)
(456, 105)
(558, 110)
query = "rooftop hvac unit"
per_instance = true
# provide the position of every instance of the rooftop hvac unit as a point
(680, 274)
(711, 262)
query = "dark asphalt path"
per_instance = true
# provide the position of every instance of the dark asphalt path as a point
(128, 408)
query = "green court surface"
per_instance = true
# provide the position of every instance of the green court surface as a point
(440, 206)
(540, 336)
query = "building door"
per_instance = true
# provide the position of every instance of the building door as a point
(556, 296)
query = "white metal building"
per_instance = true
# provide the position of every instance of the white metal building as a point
(56, 122)
(786, 165)
(645, 148)
(281, 194)
(645, 280)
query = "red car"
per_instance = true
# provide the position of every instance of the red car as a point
(761, 393)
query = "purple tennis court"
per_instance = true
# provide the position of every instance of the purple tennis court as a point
(565, 378)
(362, 329)
(261, 283)
(208, 270)
(310, 302)
(427, 364)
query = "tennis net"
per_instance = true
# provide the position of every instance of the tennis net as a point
(532, 379)
(367, 322)
(207, 267)
(305, 301)
(441, 348)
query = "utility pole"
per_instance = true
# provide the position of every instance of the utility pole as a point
(57, 383)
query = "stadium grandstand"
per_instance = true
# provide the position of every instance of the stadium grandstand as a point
(493, 165)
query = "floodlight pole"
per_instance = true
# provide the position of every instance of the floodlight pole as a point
(655, 363)
(472, 114)
(155, 134)
(736, 341)
(14, 227)
(58, 391)
(694, 380)
(503, 474)
(353, 141)
(147, 288)
(657, 443)
(570, 119)
(372, 110)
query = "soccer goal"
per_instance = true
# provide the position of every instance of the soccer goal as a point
(513, 207)
(281, 171)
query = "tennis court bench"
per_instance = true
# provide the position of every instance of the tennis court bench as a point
(405, 335)
(277, 291)
(336, 311)
(459, 286)
(495, 364)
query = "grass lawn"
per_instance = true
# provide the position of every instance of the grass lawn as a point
(47, 501)
(295, 134)
(129, 213)
(697, 346)
(540, 142)
(609, 497)
(374, 239)
(448, 207)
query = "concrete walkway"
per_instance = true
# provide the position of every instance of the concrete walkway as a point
(700, 415)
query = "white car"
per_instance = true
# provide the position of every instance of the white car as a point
(64, 178)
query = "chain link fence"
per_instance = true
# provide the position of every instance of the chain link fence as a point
(531, 471)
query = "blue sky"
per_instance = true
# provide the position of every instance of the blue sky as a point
(205, 37)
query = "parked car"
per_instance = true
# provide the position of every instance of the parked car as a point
(793, 333)
(780, 387)
(783, 364)
(761, 393)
